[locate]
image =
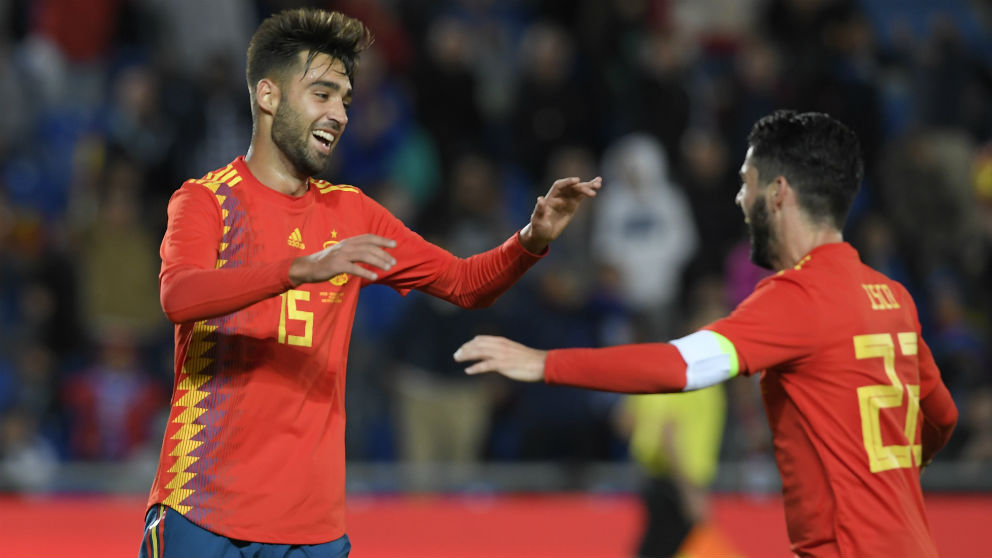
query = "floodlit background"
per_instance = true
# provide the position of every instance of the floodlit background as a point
(464, 112)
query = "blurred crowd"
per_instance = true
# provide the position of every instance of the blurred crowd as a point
(464, 112)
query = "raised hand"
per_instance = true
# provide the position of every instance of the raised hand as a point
(499, 354)
(344, 257)
(555, 209)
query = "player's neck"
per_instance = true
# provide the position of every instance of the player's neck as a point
(270, 166)
(803, 237)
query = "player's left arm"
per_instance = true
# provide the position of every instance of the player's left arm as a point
(940, 414)
(477, 281)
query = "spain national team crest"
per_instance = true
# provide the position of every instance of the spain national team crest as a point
(341, 278)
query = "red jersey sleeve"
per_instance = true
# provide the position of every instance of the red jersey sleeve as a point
(939, 412)
(191, 289)
(776, 324)
(473, 282)
(641, 368)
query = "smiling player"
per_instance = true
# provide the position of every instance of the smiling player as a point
(261, 270)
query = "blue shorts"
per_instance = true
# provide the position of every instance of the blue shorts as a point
(169, 534)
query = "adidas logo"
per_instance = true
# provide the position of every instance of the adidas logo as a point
(296, 239)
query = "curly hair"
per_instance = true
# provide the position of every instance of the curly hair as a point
(820, 157)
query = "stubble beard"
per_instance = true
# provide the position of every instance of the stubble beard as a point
(292, 136)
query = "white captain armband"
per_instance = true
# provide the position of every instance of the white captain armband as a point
(710, 358)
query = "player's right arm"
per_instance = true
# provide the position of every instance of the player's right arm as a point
(938, 409)
(193, 288)
(693, 362)
(767, 324)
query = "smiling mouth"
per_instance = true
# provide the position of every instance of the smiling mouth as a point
(324, 137)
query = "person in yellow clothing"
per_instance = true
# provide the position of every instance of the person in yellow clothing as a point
(676, 438)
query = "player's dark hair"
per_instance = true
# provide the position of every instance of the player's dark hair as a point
(817, 154)
(274, 47)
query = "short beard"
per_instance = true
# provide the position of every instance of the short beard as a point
(289, 135)
(760, 232)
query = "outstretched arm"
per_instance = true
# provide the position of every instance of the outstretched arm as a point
(476, 281)
(554, 210)
(693, 362)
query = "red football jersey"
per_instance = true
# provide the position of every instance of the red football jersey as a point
(843, 372)
(254, 447)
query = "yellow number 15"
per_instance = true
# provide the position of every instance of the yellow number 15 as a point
(289, 311)
(873, 399)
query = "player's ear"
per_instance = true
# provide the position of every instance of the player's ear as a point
(778, 192)
(267, 95)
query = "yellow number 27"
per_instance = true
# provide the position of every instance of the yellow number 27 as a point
(873, 399)
(289, 311)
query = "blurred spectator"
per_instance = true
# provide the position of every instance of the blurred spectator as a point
(28, 461)
(876, 242)
(953, 84)
(16, 116)
(557, 100)
(224, 116)
(976, 449)
(445, 88)
(959, 347)
(137, 126)
(112, 406)
(657, 102)
(644, 229)
(754, 86)
(441, 414)
(109, 104)
(118, 259)
(711, 182)
(189, 34)
(925, 190)
(714, 21)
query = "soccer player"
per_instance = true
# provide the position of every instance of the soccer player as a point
(853, 397)
(261, 270)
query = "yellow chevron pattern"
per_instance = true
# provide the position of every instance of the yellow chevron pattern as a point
(212, 181)
(193, 379)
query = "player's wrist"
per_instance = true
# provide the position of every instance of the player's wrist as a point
(530, 241)
(299, 271)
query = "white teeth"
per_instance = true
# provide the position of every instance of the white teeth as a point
(326, 136)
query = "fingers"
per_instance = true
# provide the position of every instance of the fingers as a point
(370, 238)
(498, 354)
(359, 271)
(572, 185)
(376, 257)
(483, 367)
(346, 257)
(540, 208)
(476, 349)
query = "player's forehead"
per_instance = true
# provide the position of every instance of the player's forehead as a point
(321, 67)
(747, 166)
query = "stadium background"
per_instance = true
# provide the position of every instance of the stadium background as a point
(463, 111)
